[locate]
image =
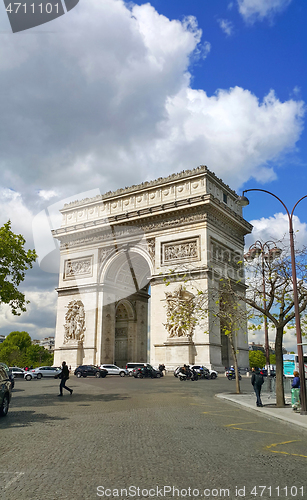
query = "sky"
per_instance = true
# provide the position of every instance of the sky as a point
(115, 93)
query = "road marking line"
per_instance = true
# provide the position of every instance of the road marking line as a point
(253, 430)
(240, 423)
(285, 452)
(219, 412)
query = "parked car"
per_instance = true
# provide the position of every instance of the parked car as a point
(90, 370)
(5, 390)
(212, 373)
(17, 372)
(114, 370)
(130, 367)
(146, 371)
(42, 372)
(264, 372)
(10, 374)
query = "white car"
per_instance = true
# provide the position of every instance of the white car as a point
(18, 372)
(42, 371)
(115, 370)
(213, 373)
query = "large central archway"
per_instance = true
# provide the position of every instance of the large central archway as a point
(124, 327)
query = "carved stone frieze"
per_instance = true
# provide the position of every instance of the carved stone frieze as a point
(186, 250)
(79, 268)
(222, 254)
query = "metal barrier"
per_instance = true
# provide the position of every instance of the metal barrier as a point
(269, 385)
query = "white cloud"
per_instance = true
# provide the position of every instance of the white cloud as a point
(236, 134)
(113, 100)
(276, 228)
(289, 338)
(253, 10)
(38, 320)
(13, 208)
(226, 26)
(47, 195)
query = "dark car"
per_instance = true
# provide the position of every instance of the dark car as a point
(264, 372)
(5, 390)
(90, 370)
(147, 371)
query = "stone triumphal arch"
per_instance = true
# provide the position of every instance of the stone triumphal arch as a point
(131, 261)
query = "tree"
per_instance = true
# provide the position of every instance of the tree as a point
(279, 304)
(13, 349)
(231, 315)
(17, 350)
(256, 359)
(37, 355)
(220, 302)
(14, 261)
(273, 359)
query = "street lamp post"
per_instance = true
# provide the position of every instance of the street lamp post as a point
(243, 201)
(268, 252)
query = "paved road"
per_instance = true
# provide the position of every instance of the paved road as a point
(155, 435)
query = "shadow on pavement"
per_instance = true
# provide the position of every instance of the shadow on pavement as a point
(25, 418)
(41, 400)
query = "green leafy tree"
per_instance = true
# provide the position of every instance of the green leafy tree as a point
(13, 349)
(18, 350)
(37, 355)
(220, 302)
(14, 262)
(256, 359)
(273, 359)
(279, 303)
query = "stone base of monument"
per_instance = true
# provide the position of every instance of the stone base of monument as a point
(175, 351)
(72, 353)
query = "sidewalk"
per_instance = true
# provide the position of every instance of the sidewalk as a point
(248, 400)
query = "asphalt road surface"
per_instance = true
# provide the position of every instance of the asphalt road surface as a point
(128, 438)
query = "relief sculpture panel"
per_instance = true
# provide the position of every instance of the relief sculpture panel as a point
(78, 268)
(180, 251)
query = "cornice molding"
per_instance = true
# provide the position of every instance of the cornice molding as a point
(161, 181)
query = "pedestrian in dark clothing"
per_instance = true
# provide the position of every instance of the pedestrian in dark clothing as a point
(64, 376)
(257, 381)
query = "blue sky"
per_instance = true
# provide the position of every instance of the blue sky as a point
(113, 93)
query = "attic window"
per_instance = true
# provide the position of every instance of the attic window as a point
(225, 198)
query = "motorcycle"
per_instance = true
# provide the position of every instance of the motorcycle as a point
(232, 376)
(188, 375)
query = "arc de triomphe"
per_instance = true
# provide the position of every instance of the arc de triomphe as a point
(118, 253)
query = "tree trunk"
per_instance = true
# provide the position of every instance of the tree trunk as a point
(280, 396)
(234, 355)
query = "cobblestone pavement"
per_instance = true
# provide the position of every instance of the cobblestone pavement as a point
(117, 433)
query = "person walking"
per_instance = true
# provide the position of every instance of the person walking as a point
(64, 376)
(257, 381)
(295, 391)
